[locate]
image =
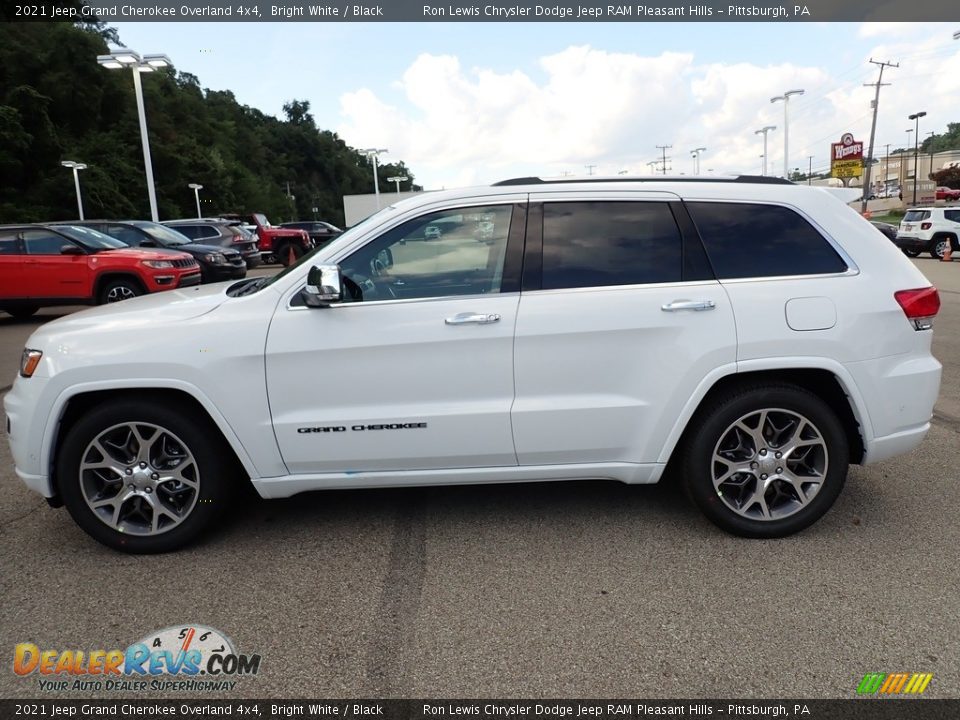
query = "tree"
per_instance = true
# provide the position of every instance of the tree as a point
(950, 177)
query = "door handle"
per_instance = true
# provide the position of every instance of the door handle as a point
(696, 305)
(469, 318)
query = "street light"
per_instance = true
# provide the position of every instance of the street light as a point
(117, 60)
(75, 166)
(916, 148)
(763, 131)
(786, 128)
(696, 159)
(653, 166)
(397, 179)
(372, 154)
(196, 194)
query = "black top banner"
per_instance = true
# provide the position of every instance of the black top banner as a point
(484, 11)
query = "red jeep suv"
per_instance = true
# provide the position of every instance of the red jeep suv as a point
(43, 265)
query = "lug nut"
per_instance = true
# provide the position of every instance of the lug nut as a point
(754, 465)
(779, 454)
(148, 489)
(779, 470)
(132, 486)
(155, 476)
(763, 476)
(763, 452)
(129, 471)
(143, 464)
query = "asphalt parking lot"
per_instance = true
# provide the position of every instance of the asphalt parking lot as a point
(538, 590)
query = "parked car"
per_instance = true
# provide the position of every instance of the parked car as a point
(223, 233)
(886, 228)
(278, 244)
(46, 265)
(216, 261)
(946, 193)
(928, 229)
(748, 333)
(320, 232)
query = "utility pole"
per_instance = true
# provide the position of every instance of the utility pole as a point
(589, 169)
(809, 168)
(865, 185)
(663, 149)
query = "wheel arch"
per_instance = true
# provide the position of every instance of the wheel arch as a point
(832, 385)
(110, 275)
(71, 406)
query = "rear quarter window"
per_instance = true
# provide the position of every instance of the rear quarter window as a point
(749, 240)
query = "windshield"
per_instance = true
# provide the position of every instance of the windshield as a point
(262, 220)
(162, 234)
(90, 239)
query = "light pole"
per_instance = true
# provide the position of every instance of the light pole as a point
(75, 166)
(763, 131)
(653, 167)
(696, 159)
(372, 155)
(117, 60)
(397, 179)
(196, 194)
(916, 148)
(786, 128)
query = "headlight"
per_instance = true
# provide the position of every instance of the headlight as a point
(29, 361)
(158, 264)
(215, 258)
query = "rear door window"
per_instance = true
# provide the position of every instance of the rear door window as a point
(604, 243)
(44, 242)
(8, 243)
(747, 240)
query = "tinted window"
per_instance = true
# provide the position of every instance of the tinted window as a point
(8, 244)
(463, 254)
(90, 238)
(43, 242)
(128, 236)
(952, 215)
(162, 234)
(916, 215)
(593, 244)
(745, 240)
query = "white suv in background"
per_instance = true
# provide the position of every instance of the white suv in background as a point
(929, 229)
(753, 335)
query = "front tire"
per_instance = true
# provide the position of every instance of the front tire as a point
(912, 253)
(118, 290)
(766, 460)
(142, 477)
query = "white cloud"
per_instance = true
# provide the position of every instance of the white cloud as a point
(455, 126)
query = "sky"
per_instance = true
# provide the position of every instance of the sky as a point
(473, 103)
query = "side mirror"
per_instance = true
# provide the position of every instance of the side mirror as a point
(70, 250)
(324, 286)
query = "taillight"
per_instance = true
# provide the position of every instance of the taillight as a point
(919, 305)
(926, 226)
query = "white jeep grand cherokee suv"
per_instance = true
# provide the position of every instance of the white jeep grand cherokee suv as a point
(754, 335)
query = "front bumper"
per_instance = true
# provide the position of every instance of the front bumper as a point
(26, 424)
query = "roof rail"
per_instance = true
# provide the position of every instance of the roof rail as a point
(752, 179)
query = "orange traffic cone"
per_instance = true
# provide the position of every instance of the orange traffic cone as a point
(291, 256)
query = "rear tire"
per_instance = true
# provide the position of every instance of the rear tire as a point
(23, 312)
(912, 253)
(177, 484)
(765, 460)
(118, 290)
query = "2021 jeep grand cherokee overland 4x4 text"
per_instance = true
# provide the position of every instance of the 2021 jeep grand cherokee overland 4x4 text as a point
(754, 335)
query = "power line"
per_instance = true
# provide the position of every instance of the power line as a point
(663, 149)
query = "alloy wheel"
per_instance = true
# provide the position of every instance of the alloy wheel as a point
(769, 464)
(139, 478)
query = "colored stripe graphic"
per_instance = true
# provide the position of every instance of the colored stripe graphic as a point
(894, 683)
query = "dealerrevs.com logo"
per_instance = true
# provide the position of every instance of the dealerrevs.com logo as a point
(179, 658)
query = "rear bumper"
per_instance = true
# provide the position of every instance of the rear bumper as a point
(899, 393)
(216, 273)
(911, 243)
